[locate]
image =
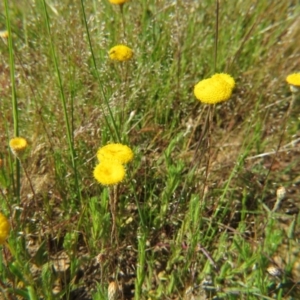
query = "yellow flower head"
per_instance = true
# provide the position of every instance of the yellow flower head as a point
(109, 172)
(17, 145)
(4, 34)
(118, 1)
(4, 228)
(225, 77)
(213, 90)
(120, 53)
(117, 152)
(294, 81)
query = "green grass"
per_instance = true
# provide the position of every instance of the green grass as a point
(193, 222)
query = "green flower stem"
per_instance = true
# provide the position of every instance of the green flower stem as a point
(113, 200)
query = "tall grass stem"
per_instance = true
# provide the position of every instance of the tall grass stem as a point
(17, 184)
(63, 101)
(98, 77)
(216, 36)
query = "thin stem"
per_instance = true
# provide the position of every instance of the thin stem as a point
(13, 95)
(28, 178)
(209, 257)
(216, 36)
(123, 87)
(113, 201)
(203, 134)
(98, 77)
(123, 20)
(63, 101)
(12, 72)
(209, 134)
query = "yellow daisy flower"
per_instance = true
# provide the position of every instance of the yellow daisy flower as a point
(118, 152)
(4, 228)
(120, 53)
(17, 145)
(118, 1)
(213, 90)
(109, 172)
(225, 77)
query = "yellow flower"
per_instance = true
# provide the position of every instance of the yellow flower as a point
(120, 53)
(109, 172)
(118, 152)
(225, 77)
(4, 34)
(293, 79)
(4, 228)
(17, 145)
(213, 90)
(118, 1)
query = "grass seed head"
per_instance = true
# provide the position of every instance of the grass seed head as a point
(113, 291)
(273, 270)
(280, 193)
